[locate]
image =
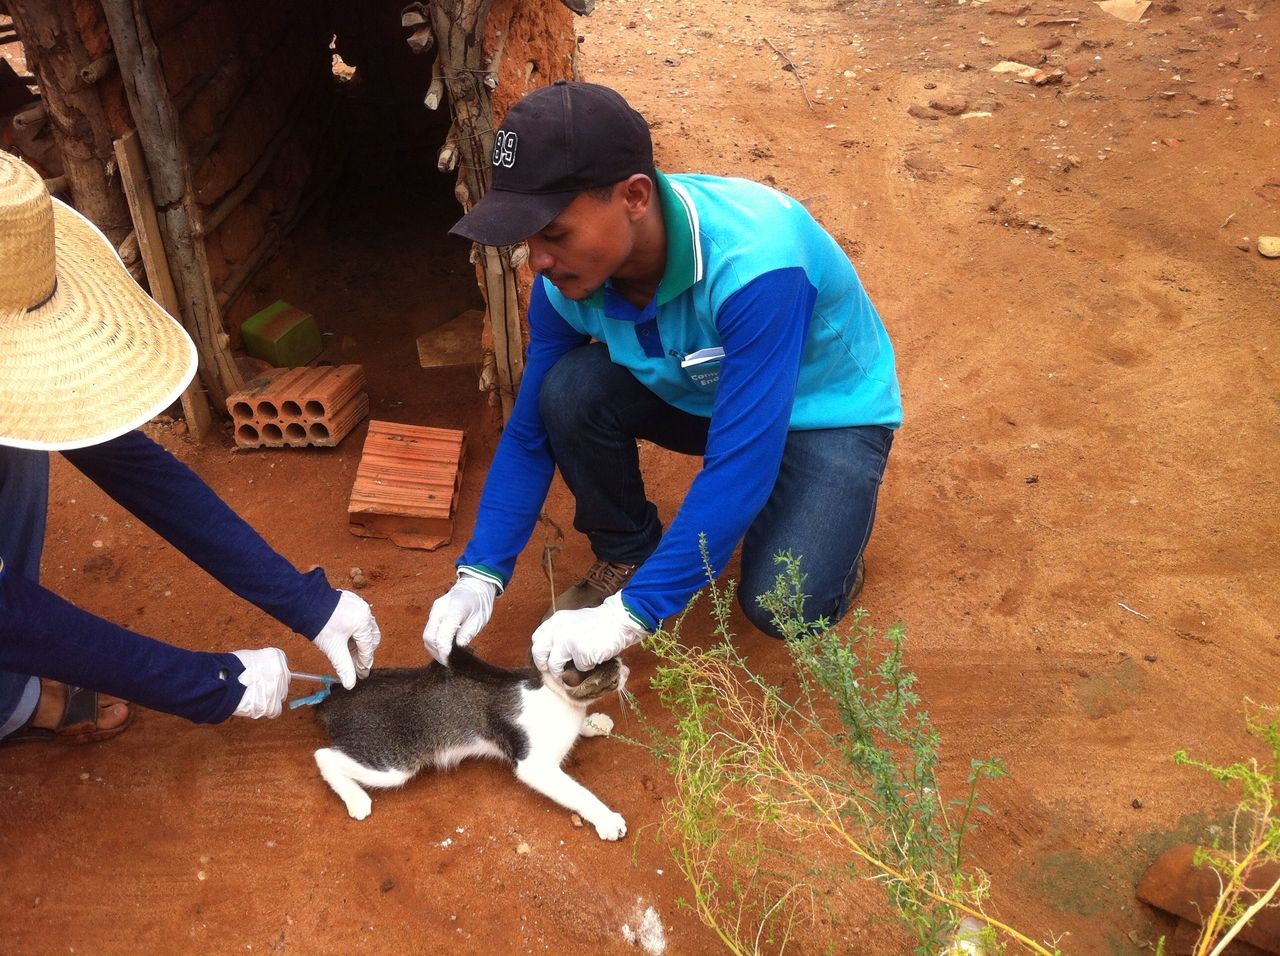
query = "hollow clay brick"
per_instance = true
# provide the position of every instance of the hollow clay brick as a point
(299, 407)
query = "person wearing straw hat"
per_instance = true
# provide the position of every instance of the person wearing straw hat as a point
(711, 316)
(85, 358)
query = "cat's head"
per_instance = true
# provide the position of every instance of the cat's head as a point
(586, 686)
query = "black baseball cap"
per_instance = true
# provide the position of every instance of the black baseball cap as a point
(554, 143)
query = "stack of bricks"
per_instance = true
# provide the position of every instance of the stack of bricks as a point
(407, 485)
(293, 408)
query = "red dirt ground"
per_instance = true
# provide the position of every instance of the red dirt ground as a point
(1092, 404)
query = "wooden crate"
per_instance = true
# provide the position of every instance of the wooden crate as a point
(407, 484)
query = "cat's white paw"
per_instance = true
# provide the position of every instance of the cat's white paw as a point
(597, 725)
(611, 827)
(359, 806)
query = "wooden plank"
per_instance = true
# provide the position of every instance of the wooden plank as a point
(146, 226)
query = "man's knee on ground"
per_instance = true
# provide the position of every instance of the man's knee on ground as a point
(760, 619)
(763, 620)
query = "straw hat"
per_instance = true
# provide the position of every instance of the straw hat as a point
(85, 354)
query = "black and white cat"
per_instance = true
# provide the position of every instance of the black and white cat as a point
(397, 721)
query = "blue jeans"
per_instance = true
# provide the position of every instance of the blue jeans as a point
(821, 510)
(24, 502)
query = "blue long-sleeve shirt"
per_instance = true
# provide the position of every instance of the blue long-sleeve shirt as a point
(750, 272)
(44, 635)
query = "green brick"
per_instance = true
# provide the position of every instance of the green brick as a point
(282, 334)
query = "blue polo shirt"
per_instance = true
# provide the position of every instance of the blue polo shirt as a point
(749, 273)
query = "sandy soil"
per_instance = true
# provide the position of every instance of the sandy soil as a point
(1087, 344)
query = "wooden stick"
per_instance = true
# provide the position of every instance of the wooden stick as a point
(795, 70)
(162, 144)
(32, 117)
(459, 27)
(133, 175)
(99, 68)
(435, 92)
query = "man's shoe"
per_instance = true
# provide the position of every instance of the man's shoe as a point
(859, 579)
(601, 580)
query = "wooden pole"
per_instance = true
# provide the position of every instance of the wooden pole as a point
(459, 31)
(162, 144)
(133, 174)
(51, 36)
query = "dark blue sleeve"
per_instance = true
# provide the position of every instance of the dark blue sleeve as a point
(174, 502)
(42, 634)
(520, 475)
(763, 327)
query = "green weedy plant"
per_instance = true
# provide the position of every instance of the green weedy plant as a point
(778, 794)
(1254, 836)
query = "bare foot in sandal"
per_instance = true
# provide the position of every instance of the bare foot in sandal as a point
(74, 714)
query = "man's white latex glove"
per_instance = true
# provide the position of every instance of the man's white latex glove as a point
(458, 615)
(351, 623)
(266, 681)
(588, 636)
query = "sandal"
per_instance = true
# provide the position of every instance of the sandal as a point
(78, 724)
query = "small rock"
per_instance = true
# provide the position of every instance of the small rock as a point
(84, 776)
(922, 112)
(951, 105)
(1149, 658)
(921, 164)
(1077, 68)
(1045, 77)
(1050, 44)
(1245, 246)
(1029, 57)
(1269, 246)
(388, 885)
(931, 86)
(1136, 804)
(576, 820)
(358, 579)
(522, 849)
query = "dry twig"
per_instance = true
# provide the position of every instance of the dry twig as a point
(794, 70)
